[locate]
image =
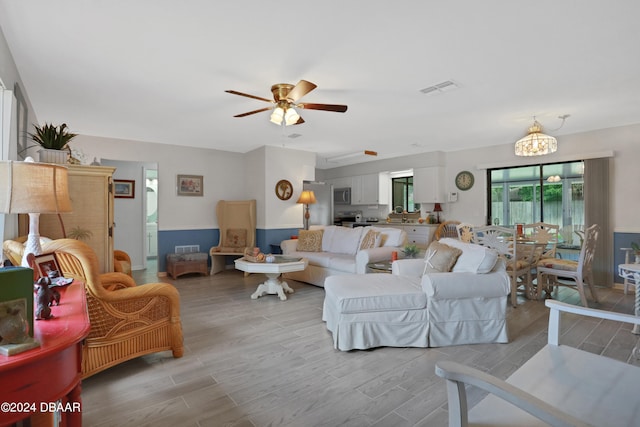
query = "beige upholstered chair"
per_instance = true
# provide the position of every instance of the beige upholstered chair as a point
(127, 321)
(446, 229)
(237, 224)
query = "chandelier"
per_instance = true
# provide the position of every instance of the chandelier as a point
(536, 143)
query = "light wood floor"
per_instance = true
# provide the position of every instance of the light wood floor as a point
(268, 362)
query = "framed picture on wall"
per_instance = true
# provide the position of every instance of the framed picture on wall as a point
(190, 185)
(124, 188)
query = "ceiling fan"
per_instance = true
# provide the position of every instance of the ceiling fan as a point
(285, 97)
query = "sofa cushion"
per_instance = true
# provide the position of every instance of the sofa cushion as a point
(369, 239)
(342, 262)
(474, 258)
(358, 293)
(310, 241)
(440, 258)
(390, 236)
(327, 234)
(345, 240)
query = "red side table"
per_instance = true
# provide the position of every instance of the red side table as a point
(44, 383)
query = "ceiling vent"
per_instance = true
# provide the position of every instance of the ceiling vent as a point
(294, 135)
(446, 86)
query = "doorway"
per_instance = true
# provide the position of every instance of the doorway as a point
(136, 219)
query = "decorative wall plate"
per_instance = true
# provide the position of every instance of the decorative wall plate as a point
(284, 189)
(464, 180)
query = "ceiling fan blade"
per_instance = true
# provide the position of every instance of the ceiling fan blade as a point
(301, 89)
(234, 92)
(300, 121)
(326, 107)
(253, 112)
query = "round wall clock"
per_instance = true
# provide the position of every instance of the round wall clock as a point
(284, 189)
(464, 180)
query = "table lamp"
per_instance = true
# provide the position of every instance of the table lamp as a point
(33, 188)
(307, 198)
(437, 209)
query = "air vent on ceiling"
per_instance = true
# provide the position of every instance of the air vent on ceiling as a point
(445, 86)
(294, 135)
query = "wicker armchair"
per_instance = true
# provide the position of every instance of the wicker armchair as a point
(127, 321)
(122, 262)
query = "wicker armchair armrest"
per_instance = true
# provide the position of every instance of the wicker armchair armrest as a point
(115, 280)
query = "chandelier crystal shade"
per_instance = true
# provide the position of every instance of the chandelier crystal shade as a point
(536, 143)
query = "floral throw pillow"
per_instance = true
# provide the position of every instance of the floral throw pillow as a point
(369, 240)
(310, 241)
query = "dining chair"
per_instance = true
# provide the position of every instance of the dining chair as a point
(518, 257)
(544, 235)
(465, 232)
(578, 272)
(446, 229)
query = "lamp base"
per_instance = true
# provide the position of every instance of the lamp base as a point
(32, 245)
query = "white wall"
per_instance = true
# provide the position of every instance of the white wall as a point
(471, 206)
(223, 175)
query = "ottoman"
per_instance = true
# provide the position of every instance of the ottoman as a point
(179, 264)
(373, 310)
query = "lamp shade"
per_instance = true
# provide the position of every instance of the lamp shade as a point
(307, 197)
(536, 143)
(277, 116)
(437, 207)
(291, 117)
(29, 187)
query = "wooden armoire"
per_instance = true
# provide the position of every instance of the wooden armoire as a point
(91, 193)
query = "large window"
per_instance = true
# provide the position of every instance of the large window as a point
(551, 193)
(402, 193)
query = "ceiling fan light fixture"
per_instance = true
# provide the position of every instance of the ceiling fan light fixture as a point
(291, 117)
(536, 143)
(277, 116)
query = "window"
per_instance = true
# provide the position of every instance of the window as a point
(402, 193)
(552, 193)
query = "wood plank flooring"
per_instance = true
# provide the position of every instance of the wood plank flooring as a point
(268, 362)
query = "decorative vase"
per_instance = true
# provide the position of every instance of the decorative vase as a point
(53, 156)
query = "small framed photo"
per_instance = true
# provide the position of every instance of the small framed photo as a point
(190, 185)
(124, 188)
(47, 266)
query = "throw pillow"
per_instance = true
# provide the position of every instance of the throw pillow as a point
(369, 240)
(474, 258)
(236, 238)
(440, 258)
(310, 241)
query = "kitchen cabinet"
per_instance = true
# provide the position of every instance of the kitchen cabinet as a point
(429, 185)
(91, 193)
(420, 235)
(370, 189)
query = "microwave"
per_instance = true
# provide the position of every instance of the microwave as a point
(342, 196)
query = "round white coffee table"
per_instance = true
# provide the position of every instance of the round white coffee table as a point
(273, 270)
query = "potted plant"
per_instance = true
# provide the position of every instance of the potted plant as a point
(410, 251)
(54, 141)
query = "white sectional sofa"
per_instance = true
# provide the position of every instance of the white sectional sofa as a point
(456, 295)
(341, 250)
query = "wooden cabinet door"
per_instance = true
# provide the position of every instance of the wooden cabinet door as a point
(91, 193)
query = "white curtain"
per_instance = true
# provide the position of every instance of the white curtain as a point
(596, 211)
